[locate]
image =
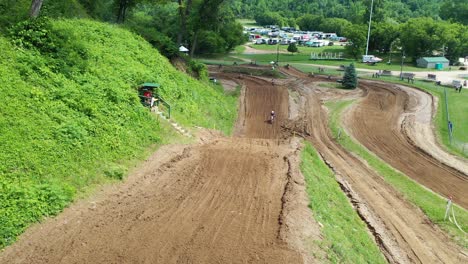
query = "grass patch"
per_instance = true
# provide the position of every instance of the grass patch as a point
(331, 85)
(239, 49)
(304, 57)
(247, 22)
(255, 72)
(346, 238)
(315, 69)
(432, 204)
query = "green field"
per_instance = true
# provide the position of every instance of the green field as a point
(346, 239)
(247, 22)
(433, 205)
(304, 57)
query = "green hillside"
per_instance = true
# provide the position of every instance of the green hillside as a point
(70, 114)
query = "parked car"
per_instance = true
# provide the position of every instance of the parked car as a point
(370, 59)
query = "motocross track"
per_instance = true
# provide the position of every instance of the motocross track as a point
(241, 199)
(225, 200)
(402, 231)
(375, 122)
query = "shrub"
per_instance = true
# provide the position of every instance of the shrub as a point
(350, 77)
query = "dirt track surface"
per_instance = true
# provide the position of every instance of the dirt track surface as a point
(240, 199)
(375, 122)
(402, 231)
(227, 200)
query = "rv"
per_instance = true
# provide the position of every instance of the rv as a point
(370, 59)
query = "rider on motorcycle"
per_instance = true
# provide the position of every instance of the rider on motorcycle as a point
(272, 116)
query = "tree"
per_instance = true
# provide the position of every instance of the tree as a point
(455, 10)
(309, 22)
(204, 18)
(185, 8)
(122, 8)
(270, 18)
(350, 77)
(292, 48)
(356, 35)
(383, 35)
(35, 8)
(336, 25)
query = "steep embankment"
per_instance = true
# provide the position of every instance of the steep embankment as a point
(70, 113)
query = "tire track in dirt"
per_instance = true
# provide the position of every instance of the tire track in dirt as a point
(403, 232)
(227, 200)
(375, 122)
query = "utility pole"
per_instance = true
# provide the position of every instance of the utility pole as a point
(449, 123)
(402, 60)
(277, 54)
(370, 20)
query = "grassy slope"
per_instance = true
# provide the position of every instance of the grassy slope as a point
(432, 204)
(71, 119)
(345, 235)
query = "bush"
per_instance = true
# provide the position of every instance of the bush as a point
(198, 69)
(350, 77)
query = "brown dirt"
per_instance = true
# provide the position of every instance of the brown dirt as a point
(403, 232)
(417, 127)
(242, 199)
(236, 200)
(376, 123)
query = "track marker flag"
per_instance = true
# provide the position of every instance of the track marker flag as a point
(447, 214)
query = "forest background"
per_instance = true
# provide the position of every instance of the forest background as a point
(415, 27)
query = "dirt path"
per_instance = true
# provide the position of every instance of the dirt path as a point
(236, 200)
(376, 123)
(403, 232)
(418, 129)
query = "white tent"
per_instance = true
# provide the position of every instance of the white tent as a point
(183, 49)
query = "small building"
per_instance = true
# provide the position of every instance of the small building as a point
(432, 62)
(183, 49)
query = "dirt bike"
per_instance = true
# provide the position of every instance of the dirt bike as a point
(272, 118)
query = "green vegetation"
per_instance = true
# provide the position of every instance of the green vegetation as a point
(280, 11)
(350, 77)
(304, 55)
(292, 48)
(432, 204)
(71, 117)
(346, 239)
(316, 69)
(203, 26)
(411, 26)
(255, 72)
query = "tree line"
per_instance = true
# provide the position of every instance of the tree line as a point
(203, 26)
(356, 11)
(415, 28)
